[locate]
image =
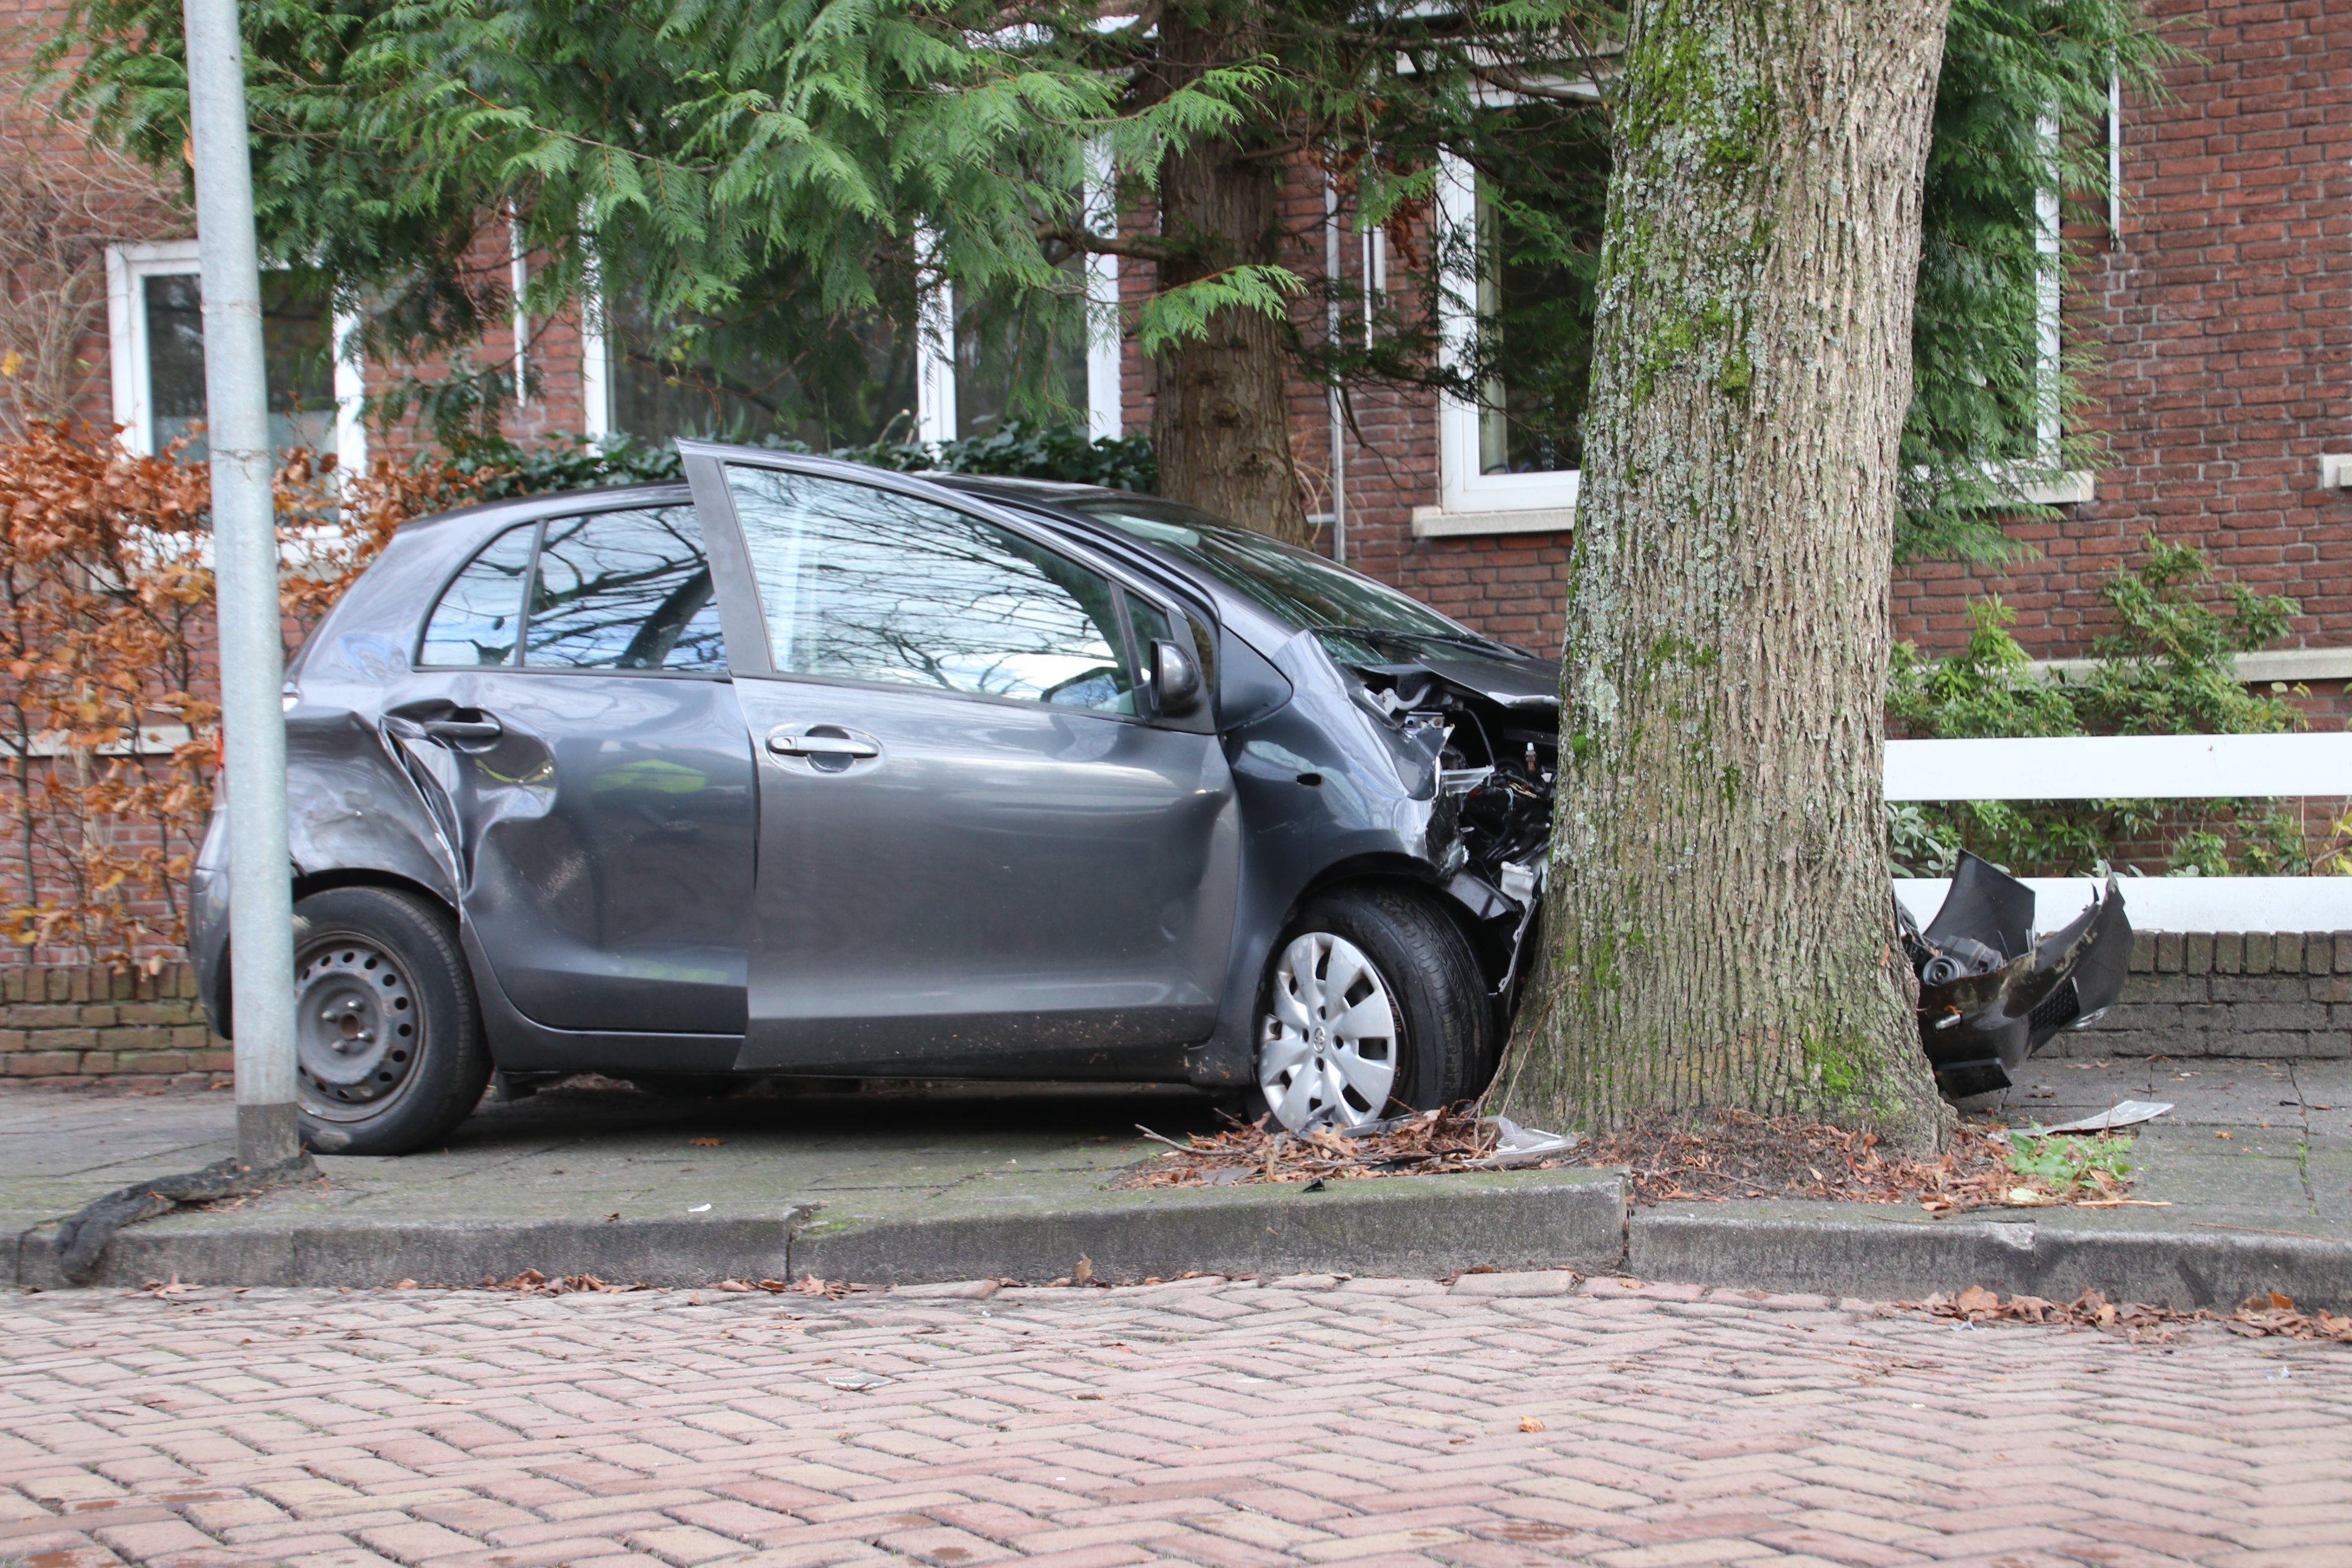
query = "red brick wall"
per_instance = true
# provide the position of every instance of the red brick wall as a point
(2223, 317)
(2220, 312)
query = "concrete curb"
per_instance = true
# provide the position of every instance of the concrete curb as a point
(375, 1253)
(1816, 1249)
(1424, 1226)
(1405, 1227)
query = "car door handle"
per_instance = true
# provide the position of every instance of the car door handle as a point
(479, 731)
(847, 747)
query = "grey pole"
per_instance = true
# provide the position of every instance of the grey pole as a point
(245, 566)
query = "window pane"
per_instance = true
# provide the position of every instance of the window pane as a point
(1148, 623)
(475, 622)
(781, 373)
(624, 590)
(858, 584)
(1541, 253)
(1020, 355)
(1301, 587)
(297, 351)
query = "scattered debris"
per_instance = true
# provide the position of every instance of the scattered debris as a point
(531, 1282)
(1424, 1143)
(2266, 1314)
(2122, 1113)
(1531, 1424)
(707, 1142)
(1991, 994)
(1718, 1155)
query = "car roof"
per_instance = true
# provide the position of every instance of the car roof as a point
(517, 508)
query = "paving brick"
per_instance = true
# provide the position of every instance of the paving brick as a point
(1679, 1427)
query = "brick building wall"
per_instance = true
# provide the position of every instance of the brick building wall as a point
(2220, 324)
(88, 1021)
(2219, 311)
(2218, 316)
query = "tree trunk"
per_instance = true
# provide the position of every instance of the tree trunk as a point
(1220, 412)
(1720, 927)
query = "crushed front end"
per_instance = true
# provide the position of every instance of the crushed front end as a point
(1492, 731)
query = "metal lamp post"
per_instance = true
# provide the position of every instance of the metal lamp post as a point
(245, 564)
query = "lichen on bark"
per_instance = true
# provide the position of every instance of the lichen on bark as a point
(1721, 928)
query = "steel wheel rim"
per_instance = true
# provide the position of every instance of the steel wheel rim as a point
(1327, 1052)
(359, 1029)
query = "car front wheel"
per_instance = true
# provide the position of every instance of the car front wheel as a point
(387, 1039)
(1372, 1001)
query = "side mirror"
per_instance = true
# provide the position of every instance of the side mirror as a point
(1175, 680)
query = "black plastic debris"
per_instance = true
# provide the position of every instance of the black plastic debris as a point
(1991, 994)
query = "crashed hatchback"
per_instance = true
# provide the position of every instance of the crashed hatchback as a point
(803, 769)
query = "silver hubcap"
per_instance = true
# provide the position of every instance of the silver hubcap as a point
(1327, 1054)
(357, 1028)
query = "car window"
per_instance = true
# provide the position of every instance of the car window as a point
(623, 590)
(1149, 623)
(475, 622)
(1299, 586)
(860, 584)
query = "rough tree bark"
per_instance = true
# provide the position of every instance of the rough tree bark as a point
(1219, 416)
(1719, 929)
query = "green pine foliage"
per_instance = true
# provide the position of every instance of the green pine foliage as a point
(762, 180)
(1014, 450)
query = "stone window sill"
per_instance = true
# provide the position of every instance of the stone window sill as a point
(1436, 523)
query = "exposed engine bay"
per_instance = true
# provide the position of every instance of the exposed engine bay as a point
(1991, 992)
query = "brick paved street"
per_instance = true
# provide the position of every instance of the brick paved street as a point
(1200, 1422)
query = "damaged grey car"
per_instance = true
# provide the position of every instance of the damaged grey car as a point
(803, 769)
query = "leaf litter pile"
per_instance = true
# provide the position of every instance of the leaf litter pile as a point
(1716, 1156)
(2264, 1315)
(1710, 1157)
(1421, 1144)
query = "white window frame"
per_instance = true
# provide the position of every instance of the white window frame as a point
(934, 364)
(1474, 503)
(935, 376)
(128, 268)
(1470, 501)
(2034, 481)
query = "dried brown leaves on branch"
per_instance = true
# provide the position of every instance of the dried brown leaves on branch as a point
(109, 703)
(1723, 1155)
(2264, 1315)
(1424, 1143)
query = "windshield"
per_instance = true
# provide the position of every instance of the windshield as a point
(1361, 620)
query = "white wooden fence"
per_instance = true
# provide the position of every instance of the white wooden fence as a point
(2143, 767)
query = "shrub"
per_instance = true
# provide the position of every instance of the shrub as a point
(2166, 668)
(108, 710)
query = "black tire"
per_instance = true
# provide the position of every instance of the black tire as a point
(1437, 994)
(388, 1037)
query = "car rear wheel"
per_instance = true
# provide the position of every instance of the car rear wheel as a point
(1373, 1002)
(388, 1042)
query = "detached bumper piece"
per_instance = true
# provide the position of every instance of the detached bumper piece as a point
(1990, 994)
